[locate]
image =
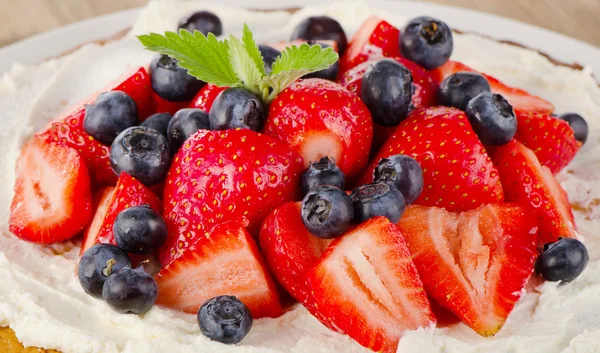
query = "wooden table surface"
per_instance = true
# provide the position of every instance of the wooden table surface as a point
(576, 18)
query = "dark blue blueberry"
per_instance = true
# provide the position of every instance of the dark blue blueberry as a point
(269, 55)
(171, 81)
(321, 28)
(578, 124)
(203, 21)
(459, 88)
(492, 118)
(110, 114)
(237, 108)
(224, 319)
(427, 41)
(143, 153)
(184, 124)
(562, 261)
(377, 199)
(130, 291)
(139, 230)
(327, 211)
(387, 92)
(323, 172)
(158, 122)
(97, 264)
(329, 73)
(402, 172)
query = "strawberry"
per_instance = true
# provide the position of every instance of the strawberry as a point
(457, 171)
(218, 176)
(551, 139)
(129, 192)
(226, 262)
(367, 287)
(533, 186)
(162, 105)
(375, 39)
(518, 98)
(138, 87)
(318, 118)
(281, 46)
(289, 248)
(52, 200)
(205, 98)
(475, 264)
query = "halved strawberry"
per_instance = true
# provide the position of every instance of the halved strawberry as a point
(533, 186)
(375, 39)
(290, 249)
(52, 200)
(281, 46)
(139, 87)
(207, 95)
(551, 139)
(520, 100)
(367, 287)
(225, 262)
(129, 192)
(475, 264)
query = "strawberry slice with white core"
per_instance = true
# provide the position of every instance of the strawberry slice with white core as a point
(101, 204)
(52, 200)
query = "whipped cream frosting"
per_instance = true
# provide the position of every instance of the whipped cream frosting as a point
(42, 301)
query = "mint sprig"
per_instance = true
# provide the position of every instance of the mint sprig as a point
(235, 62)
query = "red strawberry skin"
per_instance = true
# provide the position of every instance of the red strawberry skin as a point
(227, 262)
(367, 287)
(457, 171)
(532, 185)
(289, 248)
(220, 176)
(52, 200)
(475, 264)
(206, 96)
(162, 105)
(551, 139)
(317, 118)
(129, 192)
(139, 87)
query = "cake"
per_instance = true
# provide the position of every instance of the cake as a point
(43, 302)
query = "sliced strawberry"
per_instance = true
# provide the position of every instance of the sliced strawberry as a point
(533, 186)
(518, 98)
(207, 95)
(551, 139)
(375, 39)
(225, 262)
(129, 192)
(281, 46)
(367, 287)
(52, 200)
(162, 105)
(458, 173)
(289, 248)
(475, 264)
(139, 87)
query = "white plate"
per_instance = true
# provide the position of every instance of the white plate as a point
(558, 46)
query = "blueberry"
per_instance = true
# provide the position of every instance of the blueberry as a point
(402, 172)
(184, 124)
(130, 291)
(97, 264)
(323, 172)
(377, 199)
(426, 41)
(237, 108)
(224, 319)
(387, 92)
(578, 124)
(143, 153)
(459, 88)
(171, 81)
(139, 230)
(269, 55)
(203, 21)
(562, 261)
(110, 114)
(329, 73)
(158, 122)
(492, 118)
(321, 28)
(327, 211)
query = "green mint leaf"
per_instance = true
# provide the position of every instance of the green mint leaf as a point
(244, 66)
(205, 57)
(253, 51)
